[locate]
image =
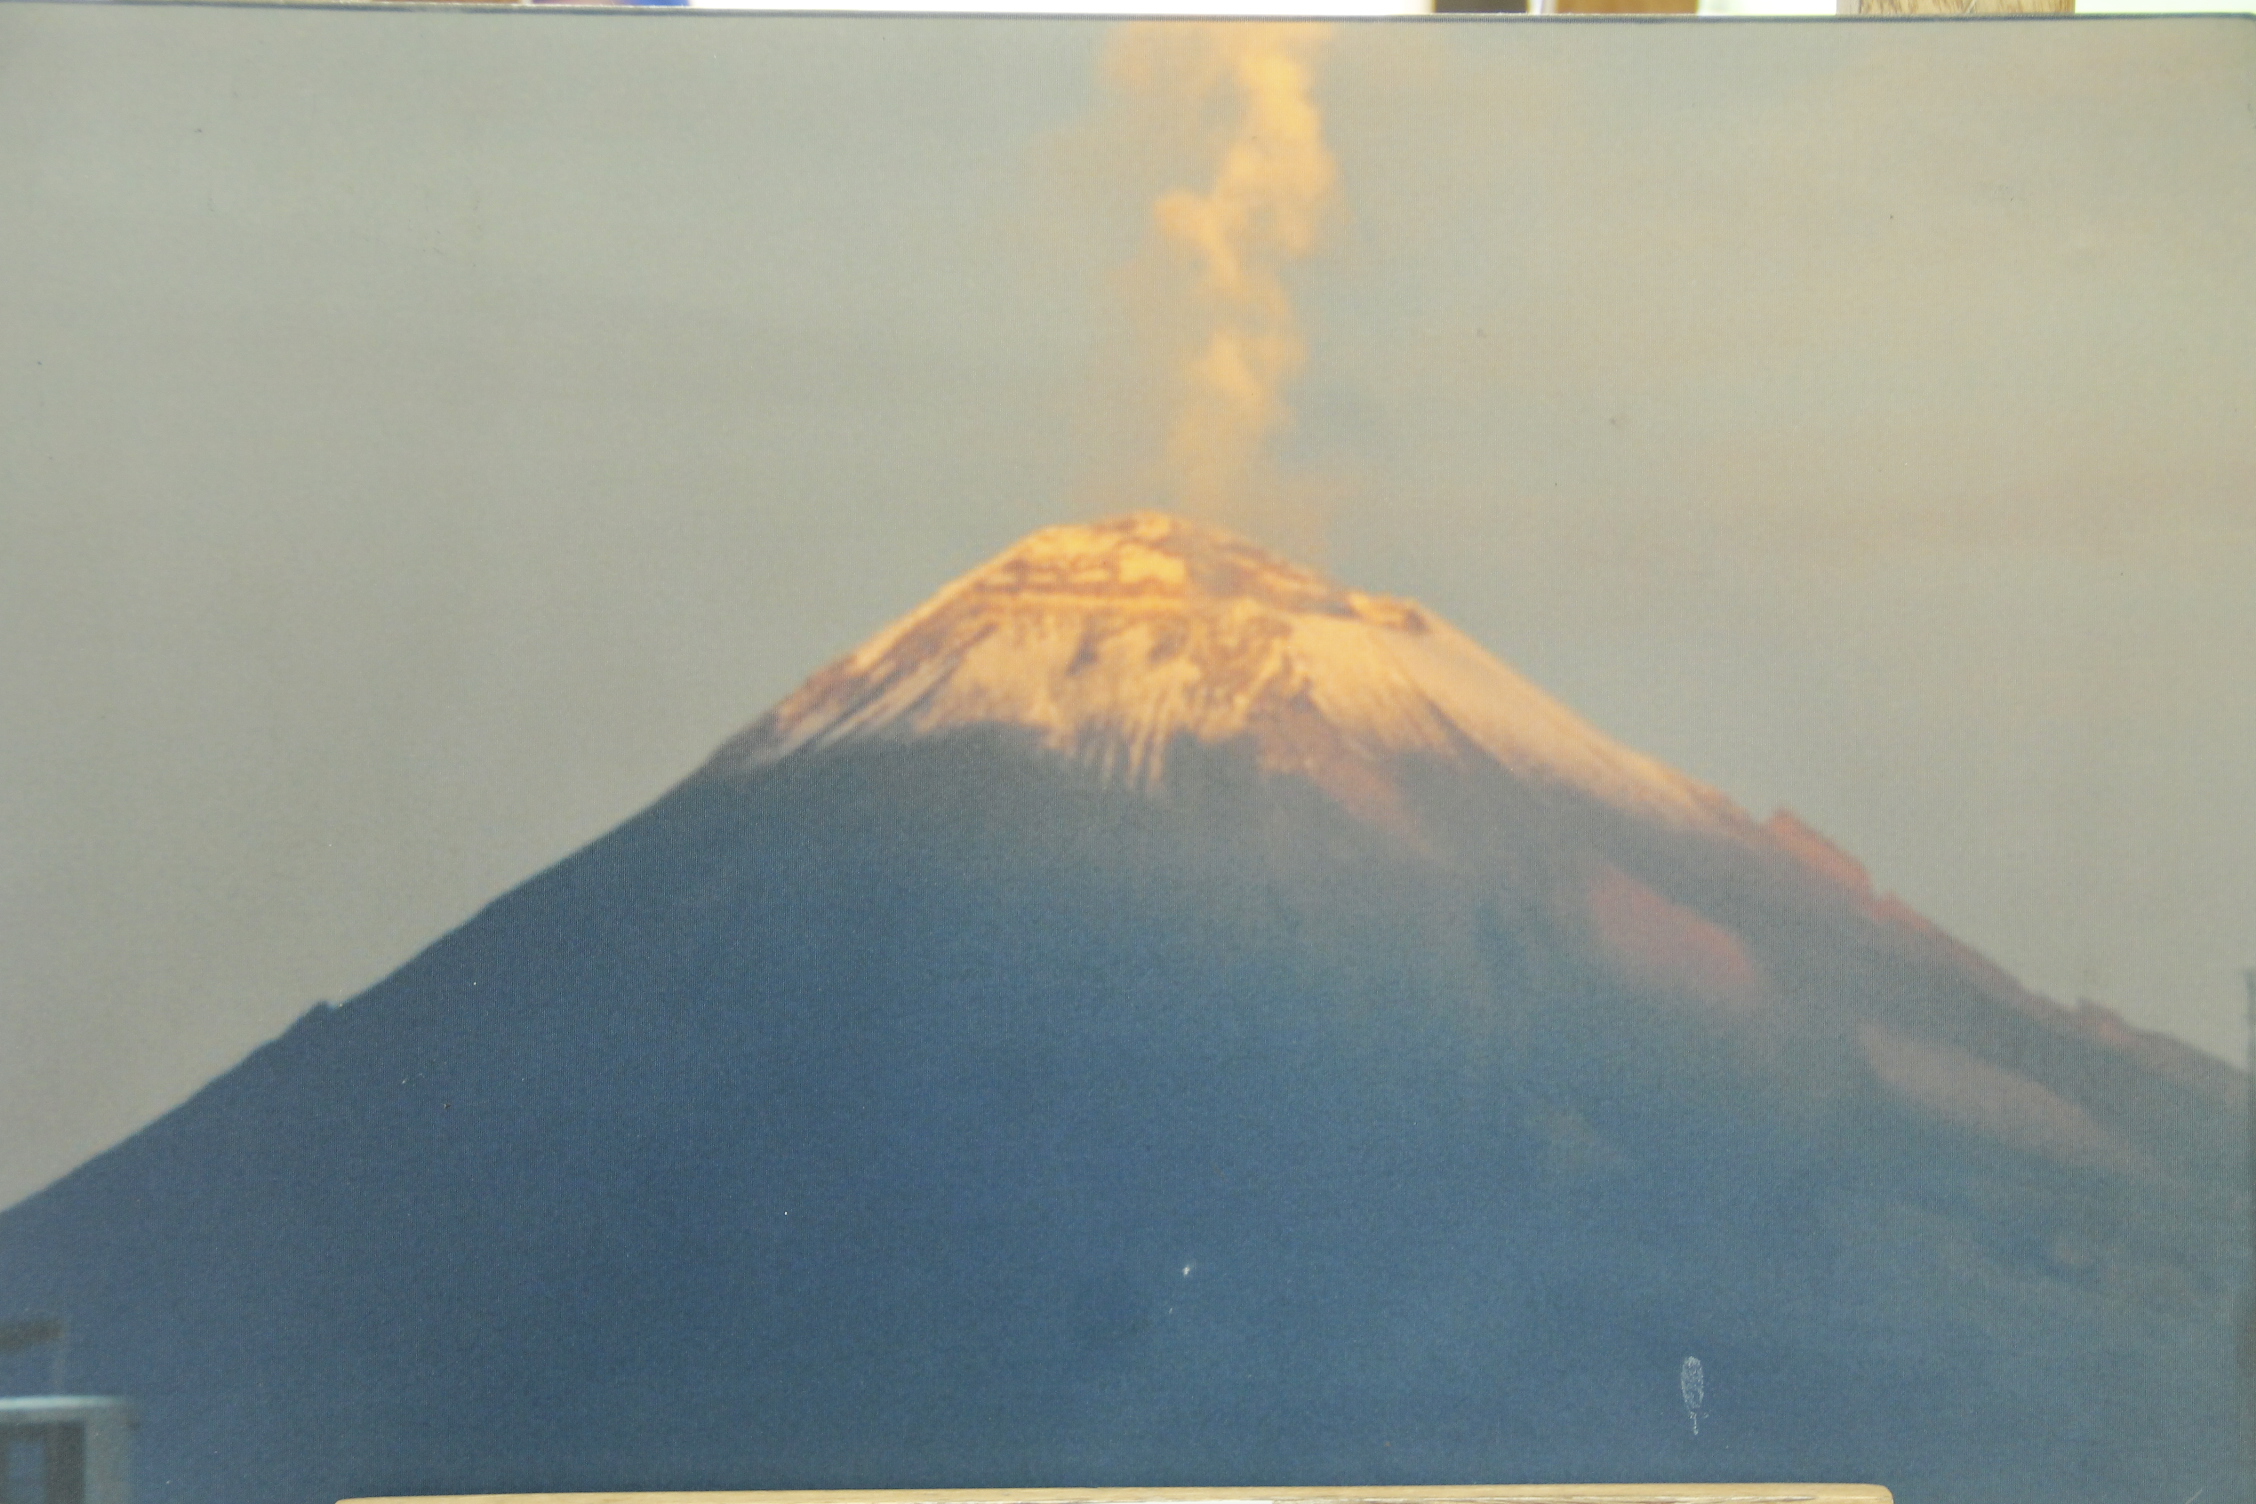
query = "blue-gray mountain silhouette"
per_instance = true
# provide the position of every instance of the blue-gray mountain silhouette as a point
(1156, 1017)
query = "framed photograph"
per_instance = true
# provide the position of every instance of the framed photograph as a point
(760, 752)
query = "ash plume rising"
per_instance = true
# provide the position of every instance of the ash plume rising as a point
(1274, 187)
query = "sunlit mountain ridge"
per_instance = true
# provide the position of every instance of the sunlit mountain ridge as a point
(1113, 639)
(1118, 643)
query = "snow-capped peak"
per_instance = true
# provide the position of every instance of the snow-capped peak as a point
(1112, 640)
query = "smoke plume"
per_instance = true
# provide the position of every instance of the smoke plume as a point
(1227, 246)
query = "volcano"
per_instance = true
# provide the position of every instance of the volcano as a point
(1156, 1016)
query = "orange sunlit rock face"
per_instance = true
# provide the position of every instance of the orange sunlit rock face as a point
(1993, 1101)
(1817, 853)
(1661, 946)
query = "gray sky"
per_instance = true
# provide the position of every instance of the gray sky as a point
(423, 436)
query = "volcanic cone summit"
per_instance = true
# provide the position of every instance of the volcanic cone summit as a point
(1154, 1013)
(1112, 642)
